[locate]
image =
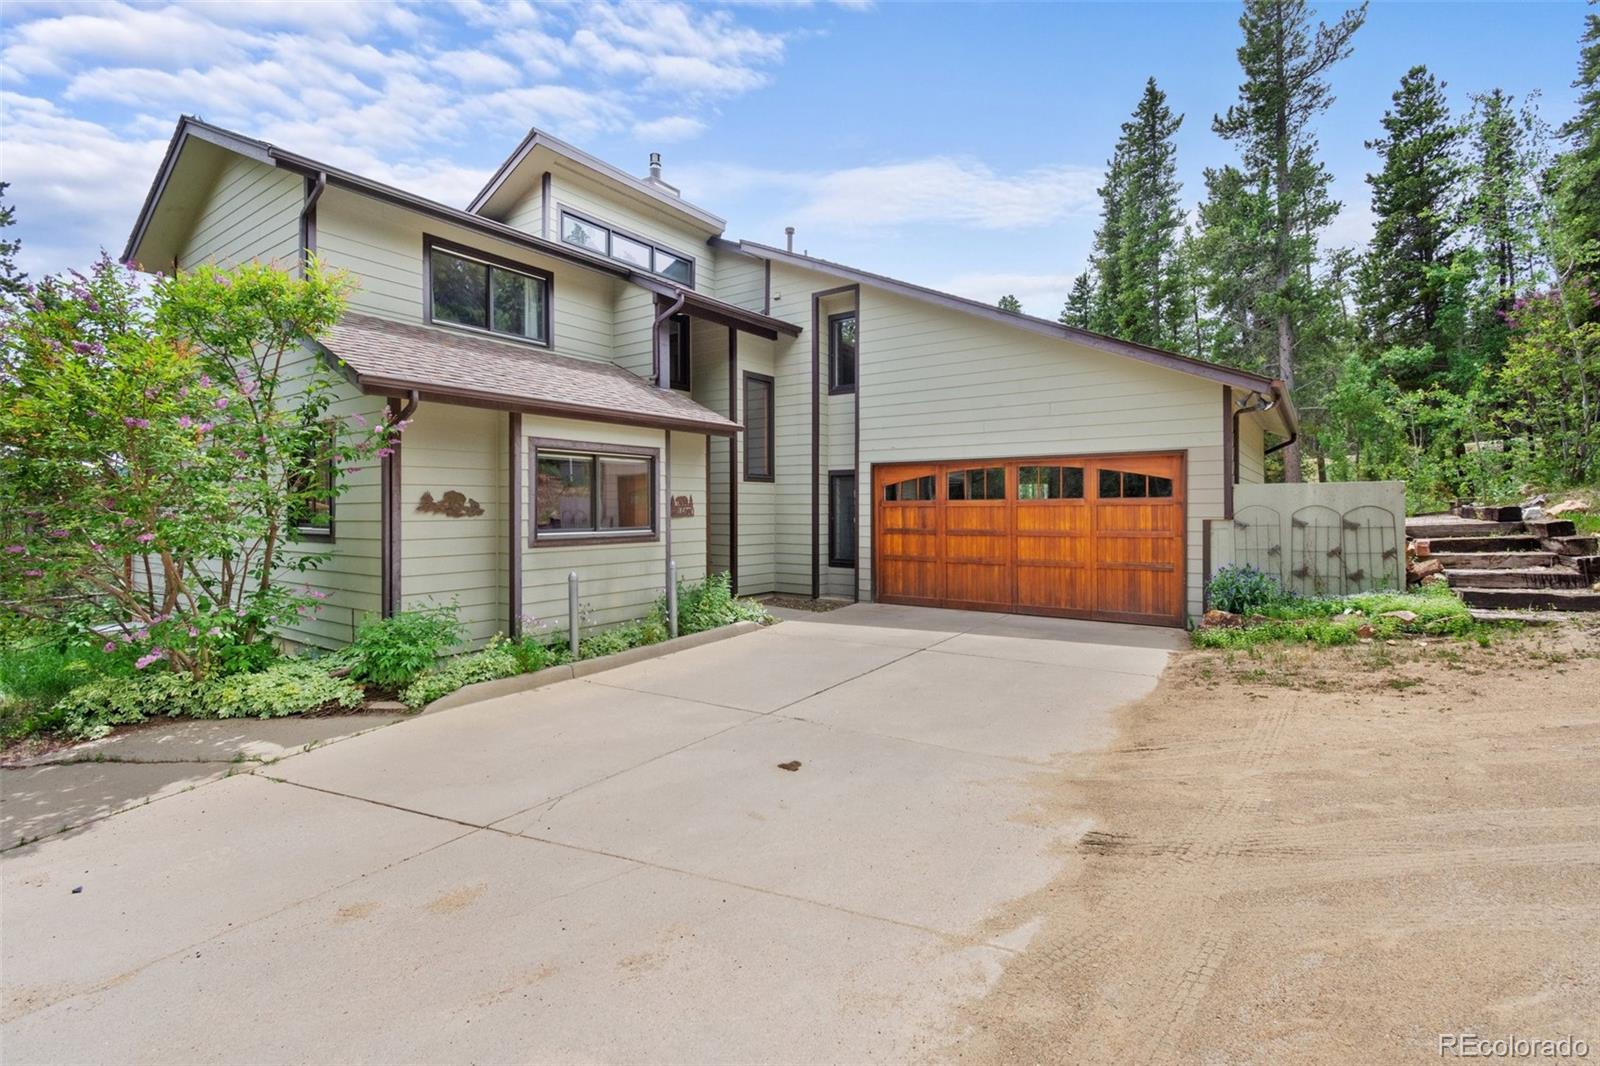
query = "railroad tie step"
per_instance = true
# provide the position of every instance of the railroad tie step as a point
(1536, 599)
(1472, 560)
(1490, 543)
(1538, 577)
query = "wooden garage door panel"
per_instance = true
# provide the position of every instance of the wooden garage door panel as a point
(1091, 536)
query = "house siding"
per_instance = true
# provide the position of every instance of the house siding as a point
(939, 384)
(616, 582)
(381, 246)
(252, 212)
(1252, 445)
(571, 190)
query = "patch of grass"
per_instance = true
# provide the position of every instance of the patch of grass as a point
(36, 671)
(1337, 621)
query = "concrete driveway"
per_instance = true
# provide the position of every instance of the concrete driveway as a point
(613, 868)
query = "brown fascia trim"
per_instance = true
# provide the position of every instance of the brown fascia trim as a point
(720, 312)
(500, 402)
(189, 126)
(733, 464)
(535, 138)
(1154, 356)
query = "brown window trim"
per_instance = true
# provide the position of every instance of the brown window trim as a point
(834, 388)
(686, 383)
(694, 265)
(834, 559)
(430, 242)
(585, 538)
(772, 436)
(317, 533)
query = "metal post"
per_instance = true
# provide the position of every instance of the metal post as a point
(572, 612)
(672, 598)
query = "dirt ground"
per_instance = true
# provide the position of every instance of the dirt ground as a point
(1323, 856)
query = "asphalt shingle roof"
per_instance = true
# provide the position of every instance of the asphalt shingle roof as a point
(393, 357)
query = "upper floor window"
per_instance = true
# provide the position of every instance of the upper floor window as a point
(842, 352)
(476, 292)
(635, 251)
(759, 436)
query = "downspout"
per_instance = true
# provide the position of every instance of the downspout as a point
(389, 516)
(663, 370)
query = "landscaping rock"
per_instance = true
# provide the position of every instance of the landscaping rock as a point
(1421, 548)
(388, 706)
(1567, 507)
(1215, 619)
(1365, 630)
(1406, 617)
(1423, 569)
(1436, 579)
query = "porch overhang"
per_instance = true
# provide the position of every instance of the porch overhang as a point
(385, 358)
(699, 305)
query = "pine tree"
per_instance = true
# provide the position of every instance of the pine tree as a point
(1104, 260)
(1578, 170)
(1501, 207)
(1234, 268)
(1282, 93)
(1080, 302)
(1414, 199)
(13, 282)
(1010, 303)
(1144, 304)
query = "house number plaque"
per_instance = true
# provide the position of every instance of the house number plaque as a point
(683, 507)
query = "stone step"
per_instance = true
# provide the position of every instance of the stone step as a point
(1524, 543)
(1579, 545)
(1545, 577)
(1446, 526)
(1544, 599)
(1493, 560)
(1551, 527)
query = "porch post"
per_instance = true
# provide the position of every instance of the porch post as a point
(514, 522)
(733, 460)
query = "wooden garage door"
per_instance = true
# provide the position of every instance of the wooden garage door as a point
(1077, 536)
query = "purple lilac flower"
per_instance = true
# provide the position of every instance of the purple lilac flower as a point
(154, 655)
(184, 422)
(15, 549)
(145, 538)
(136, 423)
(33, 573)
(110, 647)
(221, 402)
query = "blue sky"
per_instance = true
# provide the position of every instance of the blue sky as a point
(954, 145)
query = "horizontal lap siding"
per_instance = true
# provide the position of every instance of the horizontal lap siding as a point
(634, 215)
(617, 582)
(838, 444)
(939, 384)
(1252, 442)
(381, 246)
(758, 500)
(253, 213)
(708, 347)
(448, 560)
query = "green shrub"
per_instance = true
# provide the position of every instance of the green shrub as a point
(392, 652)
(289, 686)
(709, 605)
(1332, 621)
(535, 651)
(1243, 590)
(635, 634)
(498, 659)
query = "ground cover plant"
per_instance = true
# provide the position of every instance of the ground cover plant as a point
(1433, 611)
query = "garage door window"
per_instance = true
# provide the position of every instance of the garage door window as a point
(1126, 485)
(911, 489)
(1049, 482)
(980, 483)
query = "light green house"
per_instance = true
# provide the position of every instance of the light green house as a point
(599, 381)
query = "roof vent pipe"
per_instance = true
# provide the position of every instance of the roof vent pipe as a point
(655, 166)
(788, 234)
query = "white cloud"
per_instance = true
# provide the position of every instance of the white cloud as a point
(669, 129)
(935, 190)
(1042, 295)
(415, 94)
